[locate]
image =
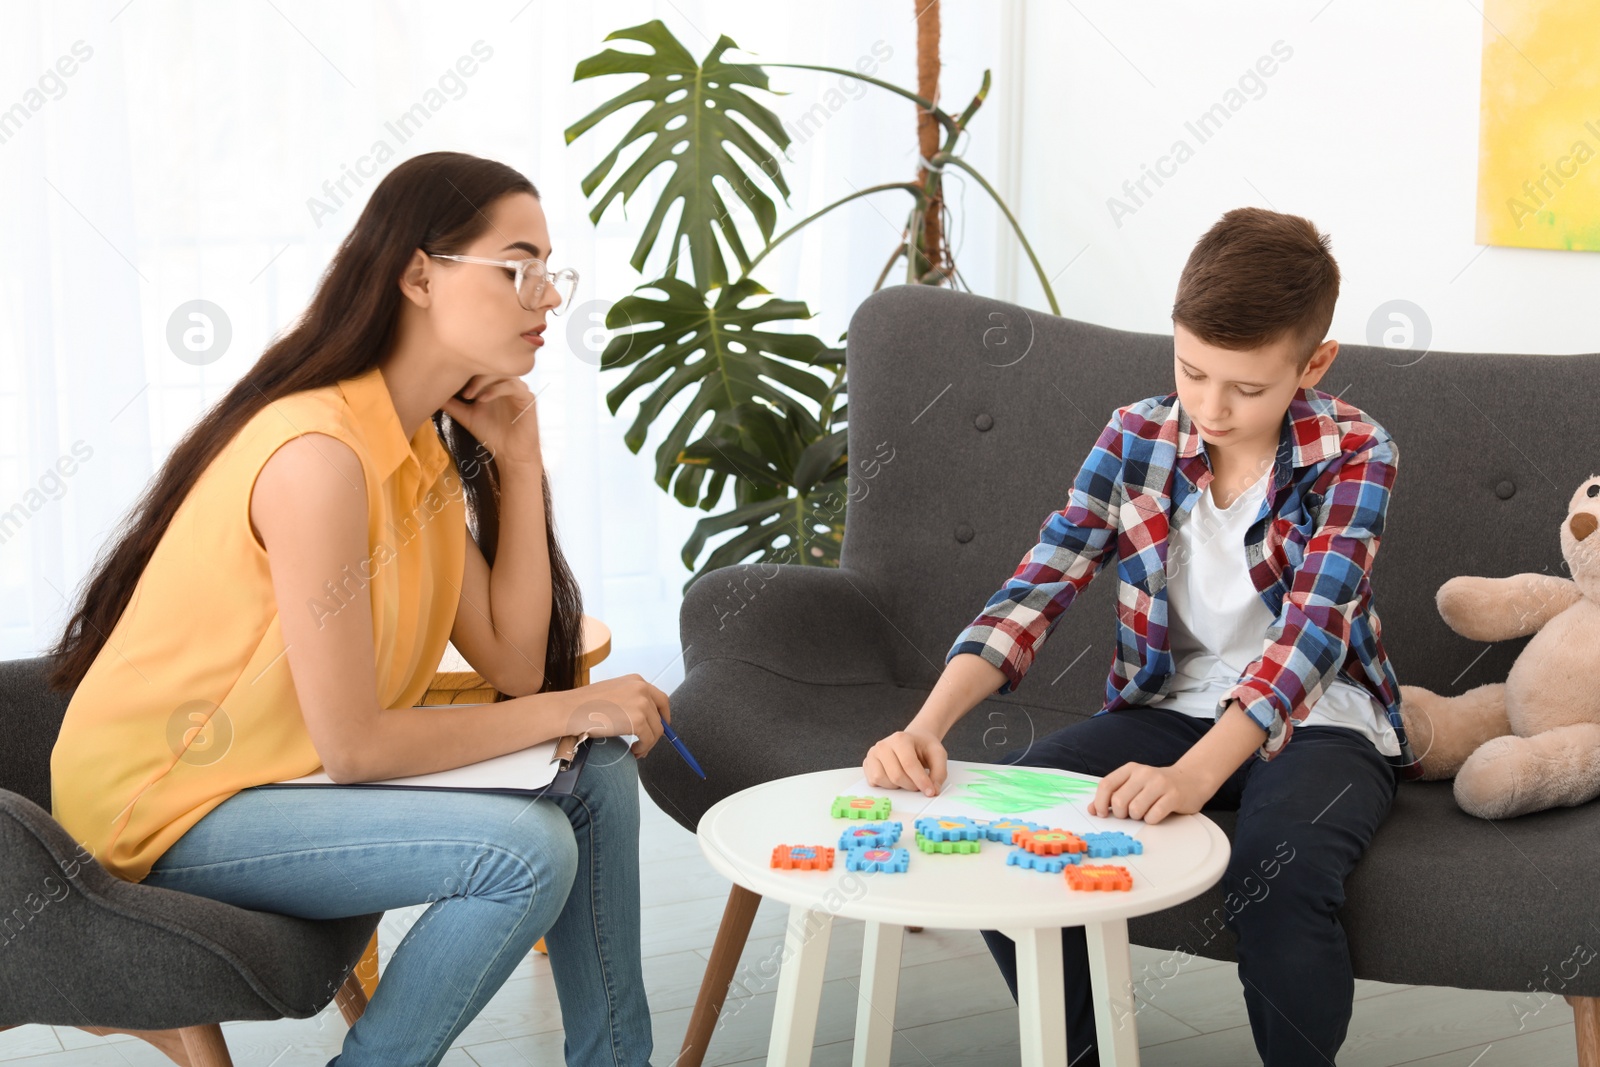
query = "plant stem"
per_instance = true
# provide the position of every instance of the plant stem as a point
(945, 157)
(913, 244)
(977, 102)
(910, 187)
(939, 116)
(899, 250)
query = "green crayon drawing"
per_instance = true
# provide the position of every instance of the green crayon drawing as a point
(1013, 790)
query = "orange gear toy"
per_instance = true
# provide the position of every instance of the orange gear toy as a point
(1049, 842)
(1099, 876)
(803, 857)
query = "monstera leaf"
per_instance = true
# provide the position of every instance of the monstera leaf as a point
(681, 342)
(793, 481)
(689, 126)
(704, 349)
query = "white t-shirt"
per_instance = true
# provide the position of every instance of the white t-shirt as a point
(1217, 622)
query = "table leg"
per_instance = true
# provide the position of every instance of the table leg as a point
(794, 1020)
(1111, 975)
(880, 986)
(1041, 996)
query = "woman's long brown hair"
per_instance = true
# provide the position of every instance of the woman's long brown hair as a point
(437, 202)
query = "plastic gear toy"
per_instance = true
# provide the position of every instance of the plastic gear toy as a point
(1050, 842)
(950, 828)
(1021, 857)
(875, 808)
(886, 860)
(1004, 829)
(803, 857)
(1112, 843)
(1099, 876)
(958, 848)
(871, 835)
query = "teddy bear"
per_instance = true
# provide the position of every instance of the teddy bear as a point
(1533, 741)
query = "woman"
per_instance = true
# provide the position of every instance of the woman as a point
(281, 597)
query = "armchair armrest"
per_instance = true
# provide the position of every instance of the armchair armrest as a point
(81, 947)
(813, 624)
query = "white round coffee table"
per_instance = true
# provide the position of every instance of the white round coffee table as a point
(1183, 856)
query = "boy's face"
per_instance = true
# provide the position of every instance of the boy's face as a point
(1237, 398)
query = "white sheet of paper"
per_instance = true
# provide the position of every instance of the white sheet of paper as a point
(993, 791)
(529, 768)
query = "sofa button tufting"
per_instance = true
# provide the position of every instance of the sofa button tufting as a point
(963, 533)
(1505, 489)
(983, 422)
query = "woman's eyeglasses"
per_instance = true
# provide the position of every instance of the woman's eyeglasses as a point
(530, 276)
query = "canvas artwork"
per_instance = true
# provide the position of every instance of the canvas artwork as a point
(1539, 137)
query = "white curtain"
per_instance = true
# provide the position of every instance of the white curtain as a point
(156, 152)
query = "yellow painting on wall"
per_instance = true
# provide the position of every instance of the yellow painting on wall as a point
(1539, 134)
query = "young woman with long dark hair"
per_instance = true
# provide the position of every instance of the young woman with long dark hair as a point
(280, 597)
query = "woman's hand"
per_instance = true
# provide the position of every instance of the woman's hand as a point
(1137, 791)
(503, 416)
(614, 707)
(898, 761)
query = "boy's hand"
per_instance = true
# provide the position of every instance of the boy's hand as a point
(898, 762)
(1137, 791)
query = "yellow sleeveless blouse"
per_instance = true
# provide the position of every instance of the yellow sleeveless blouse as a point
(191, 698)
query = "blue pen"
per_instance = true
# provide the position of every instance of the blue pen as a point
(683, 750)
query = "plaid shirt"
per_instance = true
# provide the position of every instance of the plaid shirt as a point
(1310, 551)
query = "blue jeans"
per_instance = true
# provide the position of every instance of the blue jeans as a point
(498, 871)
(1305, 818)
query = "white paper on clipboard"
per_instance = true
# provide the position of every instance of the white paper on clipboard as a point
(524, 770)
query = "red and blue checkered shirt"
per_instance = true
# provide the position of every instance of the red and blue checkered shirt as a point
(1310, 551)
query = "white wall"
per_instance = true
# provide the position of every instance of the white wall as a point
(1369, 128)
(180, 158)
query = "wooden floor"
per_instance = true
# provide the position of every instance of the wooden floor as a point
(947, 1015)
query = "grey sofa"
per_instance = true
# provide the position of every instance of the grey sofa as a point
(968, 420)
(81, 947)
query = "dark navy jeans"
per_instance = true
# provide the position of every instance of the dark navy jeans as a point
(1305, 818)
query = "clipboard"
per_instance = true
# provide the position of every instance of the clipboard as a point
(572, 752)
(499, 774)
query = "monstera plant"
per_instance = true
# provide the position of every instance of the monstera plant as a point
(703, 337)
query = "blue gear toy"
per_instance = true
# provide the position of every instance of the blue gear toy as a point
(1112, 843)
(1021, 857)
(885, 860)
(1003, 829)
(871, 835)
(949, 828)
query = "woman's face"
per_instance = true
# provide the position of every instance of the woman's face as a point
(474, 310)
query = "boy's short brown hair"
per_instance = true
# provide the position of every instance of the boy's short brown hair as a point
(1256, 276)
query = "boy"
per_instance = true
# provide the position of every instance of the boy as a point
(1244, 510)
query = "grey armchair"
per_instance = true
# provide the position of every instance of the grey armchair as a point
(968, 420)
(81, 947)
